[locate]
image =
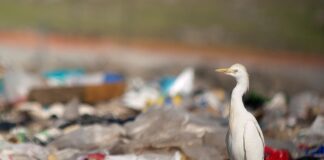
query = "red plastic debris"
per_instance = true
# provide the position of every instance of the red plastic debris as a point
(96, 156)
(276, 154)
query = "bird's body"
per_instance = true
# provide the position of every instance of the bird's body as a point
(244, 138)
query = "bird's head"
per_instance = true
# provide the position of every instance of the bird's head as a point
(237, 70)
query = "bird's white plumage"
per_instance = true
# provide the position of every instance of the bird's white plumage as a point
(253, 144)
(244, 138)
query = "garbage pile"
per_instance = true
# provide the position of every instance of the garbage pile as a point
(74, 115)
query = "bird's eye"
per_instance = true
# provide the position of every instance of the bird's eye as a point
(235, 70)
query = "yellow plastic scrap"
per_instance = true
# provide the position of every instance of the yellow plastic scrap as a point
(51, 157)
(160, 101)
(183, 156)
(177, 100)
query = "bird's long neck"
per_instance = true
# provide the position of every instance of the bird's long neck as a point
(237, 105)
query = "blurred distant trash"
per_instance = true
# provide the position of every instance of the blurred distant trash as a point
(26, 151)
(165, 127)
(63, 77)
(17, 84)
(7, 125)
(147, 156)
(91, 79)
(56, 110)
(67, 154)
(170, 92)
(321, 107)
(99, 78)
(277, 104)
(20, 135)
(313, 135)
(113, 78)
(211, 98)
(317, 151)
(166, 83)
(1, 85)
(275, 111)
(85, 109)
(89, 94)
(274, 154)
(35, 109)
(317, 128)
(105, 116)
(47, 136)
(72, 110)
(183, 84)
(96, 156)
(90, 137)
(139, 98)
(99, 93)
(303, 104)
(115, 109)
(55, 94)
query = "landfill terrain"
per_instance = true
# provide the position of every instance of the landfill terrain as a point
(74, 99)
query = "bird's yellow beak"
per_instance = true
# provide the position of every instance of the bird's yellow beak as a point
(224, 70)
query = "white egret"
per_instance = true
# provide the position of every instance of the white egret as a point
(244, 138)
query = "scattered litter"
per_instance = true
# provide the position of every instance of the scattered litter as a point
(75, 115)
(90, 137)
(183, 84)
(274, 154)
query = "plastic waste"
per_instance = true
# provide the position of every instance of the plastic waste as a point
(100, 78)
(96, 156)
(147, 156)
(63, 77)
(274, 154)
(183, 85)
(114, 109)
(214, 99)
(302, 104)
(317, 151)
(166, 83)
(47, 136)
(277, 104)
(17, 85)
(24, 150)
(56, 109)
(6, 125)
(314, 135)
(85, 109)
(34, 108)
(91, 79)
(20, 134)
(317, 128)
(90, 137)
(1, 85)
(275, 110)
(139, 98)
(113, 78)
(72, 110)
(67, 154)
(170, 127)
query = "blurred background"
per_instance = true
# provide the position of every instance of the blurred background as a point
(274, 34)
(50, 44)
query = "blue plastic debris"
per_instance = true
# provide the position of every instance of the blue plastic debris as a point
(166, 83)
(63, 76)
(113, 78)
(1, 86)
(64, 73)
(316, 151)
